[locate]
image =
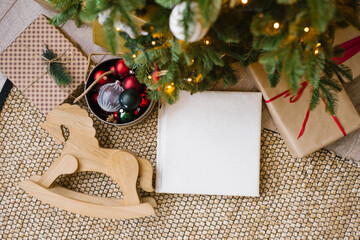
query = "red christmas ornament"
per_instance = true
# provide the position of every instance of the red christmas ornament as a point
(121, 68)
(132, 82)
(137, 111)
(144, 100)
(113, 69)
(116, 115)
(103, 80)
(95, 96)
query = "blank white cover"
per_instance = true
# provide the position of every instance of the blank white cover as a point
(209, 143)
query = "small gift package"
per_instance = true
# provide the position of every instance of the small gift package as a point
(22, 62)
(304, 131)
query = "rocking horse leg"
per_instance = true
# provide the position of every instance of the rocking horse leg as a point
(123, 167)
(146, 174)
(65, 164)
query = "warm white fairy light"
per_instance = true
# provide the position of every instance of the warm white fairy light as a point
(244, 1)
(306, 29)
(189, 79)
(276, 25)
(153, 43)
(134, 55)
(316, 51)
(117, 29)
(207, 42)
(149, 77)
(318, 44)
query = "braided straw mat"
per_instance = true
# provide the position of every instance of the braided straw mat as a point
(317, 197)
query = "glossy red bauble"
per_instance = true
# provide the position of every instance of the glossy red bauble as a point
(144, 100)
(132, 82)
(103, 80)
(95, 96)
(121, 68)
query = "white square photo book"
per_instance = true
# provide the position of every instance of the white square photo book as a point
(209, 143)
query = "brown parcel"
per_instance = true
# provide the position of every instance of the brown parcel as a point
(320, 130)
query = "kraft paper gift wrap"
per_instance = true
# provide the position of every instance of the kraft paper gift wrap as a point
(321, 128)
(22, 63)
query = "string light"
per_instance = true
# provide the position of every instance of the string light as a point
(244, 1)
(149, 77)
(306, 29)
(318, 44)
(207, 42)
(134, 55)
(153, 43)
(189, 79)
(316, 51)
(276, 25)
(192, 60)
(117, 29)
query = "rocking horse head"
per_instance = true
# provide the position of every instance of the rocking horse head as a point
(71, 116)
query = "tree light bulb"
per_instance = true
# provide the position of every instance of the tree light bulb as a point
(192, 60)
(134, 55)
(244, 1)
(276, 25)
(149, 77)
(170, 88)
(189, 79)
(117, 29)
(318, 44)
(207, 42)
(316, 51)
(153, 43)
(306, 29)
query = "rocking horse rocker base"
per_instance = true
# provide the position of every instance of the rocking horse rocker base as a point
(82, 153)
(87, 205)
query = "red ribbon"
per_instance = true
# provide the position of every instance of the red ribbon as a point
(351, 47)
(295, 98)
(288, 93)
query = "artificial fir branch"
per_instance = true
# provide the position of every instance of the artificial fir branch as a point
(292, 39)
(69, 9)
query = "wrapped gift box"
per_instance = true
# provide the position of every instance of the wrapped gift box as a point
(22, 63)
(321, 128)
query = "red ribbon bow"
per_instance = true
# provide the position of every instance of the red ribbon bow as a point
(295, 98)
(352, 47)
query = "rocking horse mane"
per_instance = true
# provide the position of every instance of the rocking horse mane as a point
(71, 116)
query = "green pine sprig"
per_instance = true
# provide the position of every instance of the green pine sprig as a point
(55, 68)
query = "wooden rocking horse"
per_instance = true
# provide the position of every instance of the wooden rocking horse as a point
(82, 153)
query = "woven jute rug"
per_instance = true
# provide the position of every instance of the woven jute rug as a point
(317, 197)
